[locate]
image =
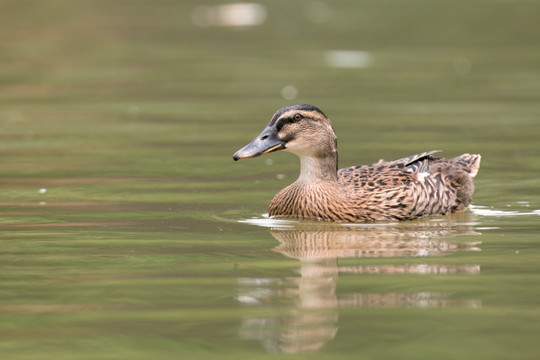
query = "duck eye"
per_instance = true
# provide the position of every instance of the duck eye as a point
(297, 117)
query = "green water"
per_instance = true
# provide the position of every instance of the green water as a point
(127, 231)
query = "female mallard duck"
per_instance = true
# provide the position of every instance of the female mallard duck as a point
(413, 187)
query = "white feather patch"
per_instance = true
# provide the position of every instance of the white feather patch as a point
(473, 172)
(421, 176)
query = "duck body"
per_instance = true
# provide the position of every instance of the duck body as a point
(413, 187)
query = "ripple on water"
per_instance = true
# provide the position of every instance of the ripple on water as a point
(266, 221)
(487, 211)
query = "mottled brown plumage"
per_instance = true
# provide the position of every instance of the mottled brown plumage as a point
(413, 187)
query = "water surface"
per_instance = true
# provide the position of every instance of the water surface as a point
(127, 231)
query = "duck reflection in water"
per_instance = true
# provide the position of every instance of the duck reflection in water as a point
(311, 299)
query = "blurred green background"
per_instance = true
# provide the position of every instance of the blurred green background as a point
(120, 205)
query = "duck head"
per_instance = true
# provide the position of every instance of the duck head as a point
(301, 129)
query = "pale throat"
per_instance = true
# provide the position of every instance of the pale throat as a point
(313, 169)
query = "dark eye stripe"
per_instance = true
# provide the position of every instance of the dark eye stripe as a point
(282, 122)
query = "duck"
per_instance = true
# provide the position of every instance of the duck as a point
(413, 187)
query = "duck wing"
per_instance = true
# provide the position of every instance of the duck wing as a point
(398, 170)
(414, 186)
(417, 163)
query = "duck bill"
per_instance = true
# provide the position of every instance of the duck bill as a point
(265, 143)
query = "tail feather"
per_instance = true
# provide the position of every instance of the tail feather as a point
(469, 162)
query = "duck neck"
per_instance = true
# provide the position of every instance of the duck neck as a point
(313, 169)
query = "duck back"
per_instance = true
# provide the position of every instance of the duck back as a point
(416, 186)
